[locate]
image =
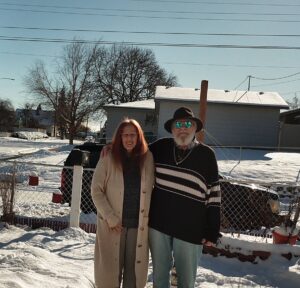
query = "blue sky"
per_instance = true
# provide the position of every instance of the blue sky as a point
(224, 68)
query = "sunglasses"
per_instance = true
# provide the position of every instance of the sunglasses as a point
(180, 124)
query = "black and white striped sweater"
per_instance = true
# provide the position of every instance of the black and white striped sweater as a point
(186, 198)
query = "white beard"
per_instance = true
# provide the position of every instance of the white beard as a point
(184, 140)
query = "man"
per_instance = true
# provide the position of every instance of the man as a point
(185, 204)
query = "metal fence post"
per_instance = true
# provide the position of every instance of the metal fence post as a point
(76, 196)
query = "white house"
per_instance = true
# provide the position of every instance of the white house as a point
(233, 118)
(43, 119)
(142, 111)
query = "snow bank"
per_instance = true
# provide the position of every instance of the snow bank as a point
(30, 135)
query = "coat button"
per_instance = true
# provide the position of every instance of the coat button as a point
(142, 228)
(142, 211)
(140, 245)
(138, 262)
(144, 192)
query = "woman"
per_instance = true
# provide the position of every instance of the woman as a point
(121, 191)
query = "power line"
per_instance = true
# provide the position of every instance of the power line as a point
(219, 3)
(149, 32)
(231, 65)
(179, 45)
(272, 79)
(277, 83)
(241, 96)
(150, 11)
(241, 83)
(151, 17)
(7, 78)
(278, 78)
(169, 63)
(28, 54)
(153, 44)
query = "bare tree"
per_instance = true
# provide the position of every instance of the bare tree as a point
(70, 90)
(87, 78)
(295, 103)
(126, 74)
(7, 115)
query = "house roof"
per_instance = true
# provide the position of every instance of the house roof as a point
(144, 104)
(295, 112)
(221, 96)
(291, 116)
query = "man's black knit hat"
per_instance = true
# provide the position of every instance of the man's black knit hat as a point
(183, 113)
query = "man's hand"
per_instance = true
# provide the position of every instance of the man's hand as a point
(208, 243)
(105, 150)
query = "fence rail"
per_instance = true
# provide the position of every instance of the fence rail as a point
(41, 195)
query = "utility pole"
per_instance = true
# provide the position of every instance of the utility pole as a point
(249, 79)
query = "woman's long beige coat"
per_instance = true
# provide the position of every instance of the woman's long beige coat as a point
(107, 194)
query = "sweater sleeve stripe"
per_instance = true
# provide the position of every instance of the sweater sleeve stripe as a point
(214, 195)
(182, 175)
(171, 186)
(183, 170)
(214, 201)
(181, 194)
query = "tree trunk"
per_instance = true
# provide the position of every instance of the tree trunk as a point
(71, 139)
(71, 134)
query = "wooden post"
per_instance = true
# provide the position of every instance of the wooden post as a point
(13, 187)
(202, 108)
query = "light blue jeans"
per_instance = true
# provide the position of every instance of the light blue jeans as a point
(164, 249)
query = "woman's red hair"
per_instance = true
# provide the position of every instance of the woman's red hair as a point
(140, 149)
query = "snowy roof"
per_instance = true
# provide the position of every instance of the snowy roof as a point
(221, 96)
(144, 104)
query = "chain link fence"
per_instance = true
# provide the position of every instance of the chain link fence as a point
(254, 208)
(87, 205)
(41, 195)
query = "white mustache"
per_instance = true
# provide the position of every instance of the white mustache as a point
(184, 141)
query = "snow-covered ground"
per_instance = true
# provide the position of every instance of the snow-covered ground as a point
(15, 146)
(44, 258)
(262, 165)
(48, 259)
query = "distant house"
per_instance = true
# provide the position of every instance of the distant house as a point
(233, 118)
(36, 119)
(289, 135)
(142, 111)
